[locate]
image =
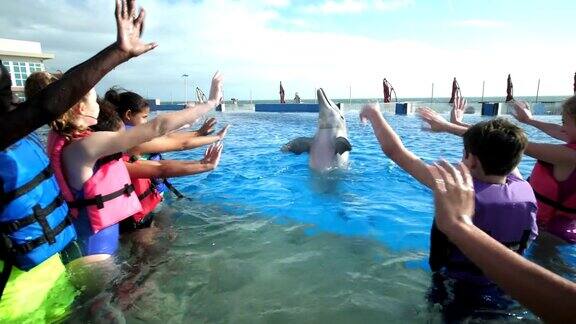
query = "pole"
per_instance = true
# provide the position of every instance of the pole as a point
(483, 84)
(185, 76)
(350, 95)
(432, 96)
(538, 90)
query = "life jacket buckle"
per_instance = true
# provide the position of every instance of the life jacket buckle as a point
(99, 202)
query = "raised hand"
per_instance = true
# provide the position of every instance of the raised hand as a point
(435, 120)
(522, 111)
(208, 127)
(216, 89)
(457, 112)
(212, 155)
(130, 27)
(368, 112)
(453, 195)
(222, 133)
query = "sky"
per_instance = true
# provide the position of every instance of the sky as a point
(342, 46)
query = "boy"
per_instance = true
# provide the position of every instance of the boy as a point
(505, 204)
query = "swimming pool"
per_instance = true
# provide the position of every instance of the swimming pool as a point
(264, 240)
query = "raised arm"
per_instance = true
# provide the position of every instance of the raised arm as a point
(523, 115)
(85, 152)
(178, 141)
(393, 147)
(61, 95)
(553, 298)
(439, 124)
(174, 168)
(457, 112)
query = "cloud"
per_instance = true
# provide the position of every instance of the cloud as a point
(355, 6)
(479, 23)
(255, 54)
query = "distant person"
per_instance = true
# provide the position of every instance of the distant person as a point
(282, 94)
(506, 208)
(297, 98)
(548, 295)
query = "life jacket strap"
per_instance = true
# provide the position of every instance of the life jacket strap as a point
(8, 248)
(6, 197)
(5, 275)
(38, 213)
(99, 200)
(554, 204)
(148, 191)
(173, 189)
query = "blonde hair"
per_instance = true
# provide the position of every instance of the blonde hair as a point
(64, 124)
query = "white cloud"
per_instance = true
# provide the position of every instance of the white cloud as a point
(479, 23)
(196, 39)
(355, 6)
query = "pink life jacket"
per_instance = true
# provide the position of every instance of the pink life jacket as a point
(108, 196)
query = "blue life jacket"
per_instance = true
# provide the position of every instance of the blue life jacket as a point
(34, 219)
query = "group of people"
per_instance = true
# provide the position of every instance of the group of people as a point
(64, 208)
(487, 214)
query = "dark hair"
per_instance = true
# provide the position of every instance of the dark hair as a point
(569, 107)
(37, 81)
(5, 89)
(126, 101)
(497, 143)
(108, 119)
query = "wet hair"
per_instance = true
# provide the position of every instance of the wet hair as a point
(108, 119)
(5, 89)
(125, 101)
(497, 143)
(569, 107)
(38, 81)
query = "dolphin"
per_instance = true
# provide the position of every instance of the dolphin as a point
(330, 147)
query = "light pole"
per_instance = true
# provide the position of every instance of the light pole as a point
(185, 76)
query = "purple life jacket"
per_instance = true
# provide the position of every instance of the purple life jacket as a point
(506, 212)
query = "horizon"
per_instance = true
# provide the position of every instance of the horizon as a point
(310, 44)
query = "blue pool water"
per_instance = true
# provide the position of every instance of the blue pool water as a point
(264, 240)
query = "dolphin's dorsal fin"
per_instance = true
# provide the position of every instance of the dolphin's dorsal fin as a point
(298, 145)
(342, 145)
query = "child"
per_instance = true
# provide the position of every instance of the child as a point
(505, 204)
(554, 175)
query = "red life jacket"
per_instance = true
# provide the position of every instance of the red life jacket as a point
(108, 196)
(555, 198)
(147, 194)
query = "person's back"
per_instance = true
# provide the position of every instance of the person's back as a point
(506, 207)
(506, 212)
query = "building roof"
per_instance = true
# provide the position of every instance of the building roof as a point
(19, 48)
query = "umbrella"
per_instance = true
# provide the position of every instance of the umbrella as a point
(387, 95)
(282, 93)
(509, 89)
(455, 90)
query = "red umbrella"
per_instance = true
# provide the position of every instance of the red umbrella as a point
(387, 95)
(282, 93)
(455, 90)
(509, 89)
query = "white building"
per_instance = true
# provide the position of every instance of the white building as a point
(22, 58)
